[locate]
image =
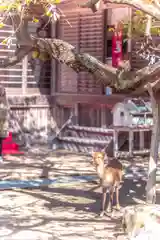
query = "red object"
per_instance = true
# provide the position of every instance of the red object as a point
(116, 48)
(10, 147)
(97, 106)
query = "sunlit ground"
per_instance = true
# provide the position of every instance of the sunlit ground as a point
(67, 210)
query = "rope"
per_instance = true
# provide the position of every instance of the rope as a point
(64, 125)
(62, 128)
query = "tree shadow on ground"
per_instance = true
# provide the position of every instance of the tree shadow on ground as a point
(79, 217)
(18, 224)
(81, 202)
(129, 192)
(44, 164)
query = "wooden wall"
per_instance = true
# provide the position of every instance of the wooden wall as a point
(21, 78)
(85, 31)
(72, 92)
(28, 90)
(33, 116)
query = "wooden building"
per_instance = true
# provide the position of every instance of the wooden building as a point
(42, 99)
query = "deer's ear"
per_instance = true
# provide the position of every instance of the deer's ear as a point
(105, 156)
(93, 154)
(103, 153)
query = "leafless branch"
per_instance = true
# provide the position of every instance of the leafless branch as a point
(148, 26)
(145, 6)
(122, 79)
(19, 55)
(157, 3)
(92, 4)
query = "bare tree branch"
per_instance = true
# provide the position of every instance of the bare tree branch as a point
(122, 79)
(92, 4)
(148, 26)
(20, 26)
(145, 6)
(157, 3)
(19, 55)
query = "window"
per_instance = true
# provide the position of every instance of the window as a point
(121, 114)
(109, 48)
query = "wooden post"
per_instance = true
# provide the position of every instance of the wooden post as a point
(53, 65)
(141, 140)
(130, 15)
(103, 117)
(53, 79)
(130, 143)
(115, 143)
(152, 166)
(24, 74)
(76, 111)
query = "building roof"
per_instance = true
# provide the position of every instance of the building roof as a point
(137, 106)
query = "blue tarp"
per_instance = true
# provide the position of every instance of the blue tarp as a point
(9, 184)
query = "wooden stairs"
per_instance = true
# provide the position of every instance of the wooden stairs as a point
(87, 139)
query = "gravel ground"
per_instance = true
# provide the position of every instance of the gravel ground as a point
(67, 210)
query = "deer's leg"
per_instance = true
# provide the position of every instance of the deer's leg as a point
(104, 193)
(117, 199)
(110, 203)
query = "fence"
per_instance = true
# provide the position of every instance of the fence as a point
(32, 116)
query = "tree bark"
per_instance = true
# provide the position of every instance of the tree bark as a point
(149, 7)
(152, 166)
(122, 79)
(92, 4)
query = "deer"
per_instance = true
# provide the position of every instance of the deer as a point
(110, 178)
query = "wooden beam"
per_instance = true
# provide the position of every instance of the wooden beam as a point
(76, 113)
(63, 98)
(141, 140)
(115, 143)
(24, 74)
(53, 64)
(103, 117)
(131, 135)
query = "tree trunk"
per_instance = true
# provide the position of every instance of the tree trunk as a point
(152, 166)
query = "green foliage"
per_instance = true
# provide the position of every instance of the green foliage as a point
(138, 25)
(43, 56)
(16, 5)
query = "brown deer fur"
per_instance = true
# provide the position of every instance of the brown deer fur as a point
(110, 178)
